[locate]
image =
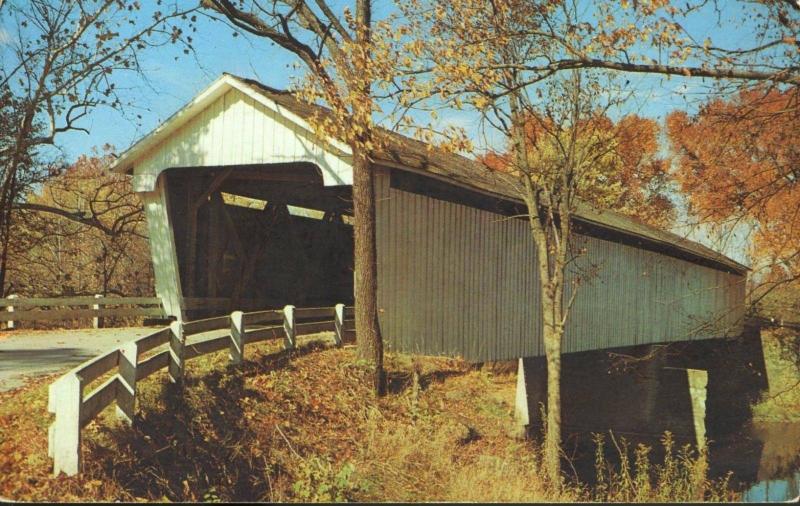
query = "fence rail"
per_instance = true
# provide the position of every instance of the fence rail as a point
(65, 308)
(73, 410)
(222, 303)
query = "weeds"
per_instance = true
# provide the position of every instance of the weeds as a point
(681, 477)
(318, 481)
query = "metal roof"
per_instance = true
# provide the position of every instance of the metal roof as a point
(405, 153)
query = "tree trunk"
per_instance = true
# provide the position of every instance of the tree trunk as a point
(369, 339)
(552, 449)
(550, 263)
(551, 283)
(6, 208)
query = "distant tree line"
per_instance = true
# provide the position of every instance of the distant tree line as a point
(82, 231)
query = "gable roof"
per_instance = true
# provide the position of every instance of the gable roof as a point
(405, 153)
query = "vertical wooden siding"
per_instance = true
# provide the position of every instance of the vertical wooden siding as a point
(629, 296)
(450, 278)
(236, 130)
(455, 280)
(162, 248)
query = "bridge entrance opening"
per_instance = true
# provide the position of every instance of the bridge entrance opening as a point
(260, 236)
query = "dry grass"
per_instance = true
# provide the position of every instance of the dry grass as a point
(299, 426)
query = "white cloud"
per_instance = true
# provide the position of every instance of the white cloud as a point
(5, 37)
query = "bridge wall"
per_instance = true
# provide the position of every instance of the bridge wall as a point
(460, 278)
(639, 392)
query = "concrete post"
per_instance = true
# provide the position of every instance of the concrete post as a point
(65, 399)
(176, 356)
(698, 381)
(97, 321)
(338, 314)
(521, 412)
(10, 309)
(289, 326)
(651, 376)
(237, 337)
(126, 393)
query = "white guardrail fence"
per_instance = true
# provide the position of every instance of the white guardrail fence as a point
(97, 307)
(73, 410)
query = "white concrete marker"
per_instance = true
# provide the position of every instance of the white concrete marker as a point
(521, 412)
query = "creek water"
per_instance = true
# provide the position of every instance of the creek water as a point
(780, 489)
(764, 458)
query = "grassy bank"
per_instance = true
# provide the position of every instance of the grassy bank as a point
(303, 426)
(781, 402)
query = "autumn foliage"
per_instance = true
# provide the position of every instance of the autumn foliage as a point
(626, 175)
(82, 233)
(739, 162)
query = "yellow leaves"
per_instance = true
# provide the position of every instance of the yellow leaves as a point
(92, 486)
(480, 102)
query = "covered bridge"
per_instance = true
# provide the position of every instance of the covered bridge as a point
(247, 207)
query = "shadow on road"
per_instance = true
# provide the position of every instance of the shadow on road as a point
(20, 360)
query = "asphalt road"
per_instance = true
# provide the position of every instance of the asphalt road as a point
(26, 353)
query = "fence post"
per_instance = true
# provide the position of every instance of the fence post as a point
(97, 321)
(237, 338)
(338, 312)
(126, 393)
(176, 345)
(288, 326)
(65, 399)
(10, 309)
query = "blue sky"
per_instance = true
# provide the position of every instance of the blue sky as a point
(173, 79)
(171, 82)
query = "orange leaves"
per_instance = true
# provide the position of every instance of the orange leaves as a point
(738, 160)
(497, 161)
(643, 175)
(621, 168)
